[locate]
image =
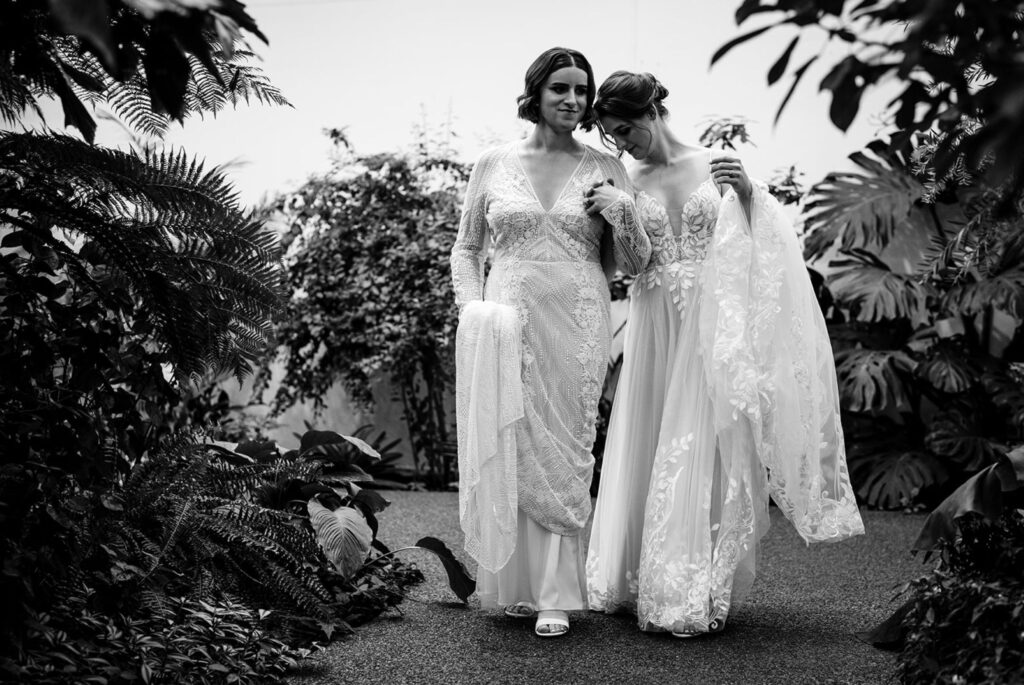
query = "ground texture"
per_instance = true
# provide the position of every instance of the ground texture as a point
(798, 625)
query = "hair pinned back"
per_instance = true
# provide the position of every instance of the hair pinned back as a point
(549, 62)
(629, 95)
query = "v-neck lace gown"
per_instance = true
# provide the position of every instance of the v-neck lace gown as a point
(684, 490)
(546, 264)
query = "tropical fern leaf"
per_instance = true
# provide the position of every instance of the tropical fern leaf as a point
(854, 209)
(891, 480)
(873, 380)
(953, 436)
(1000, 285)
(873, 292)
(948, 369)
(172, 228)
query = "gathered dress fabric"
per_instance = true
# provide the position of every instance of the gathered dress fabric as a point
(727, 396)
(547, 267)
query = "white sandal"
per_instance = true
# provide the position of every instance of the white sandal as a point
(521, 610)
(715, 626)
(553, 620)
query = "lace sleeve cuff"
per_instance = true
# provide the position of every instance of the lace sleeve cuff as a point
(467, 275)
(631, 242)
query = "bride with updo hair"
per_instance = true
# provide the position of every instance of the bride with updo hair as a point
(727, 394)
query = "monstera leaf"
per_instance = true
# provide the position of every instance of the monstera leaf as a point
(860, 209)
(947, 369)
(891, 480)
(1006, 389)
(342, 534)
(873, 292)
(954, 436)
(871, 380)
(1003, 290)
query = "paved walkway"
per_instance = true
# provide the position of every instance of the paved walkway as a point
(797, 626)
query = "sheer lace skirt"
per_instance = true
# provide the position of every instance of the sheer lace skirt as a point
(680, 511)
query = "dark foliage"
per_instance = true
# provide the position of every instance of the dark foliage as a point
(959, 63)
(150, 61)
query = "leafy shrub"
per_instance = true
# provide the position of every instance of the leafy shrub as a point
(929, 394)
(204, 642)
(966, 622)
(371, 296)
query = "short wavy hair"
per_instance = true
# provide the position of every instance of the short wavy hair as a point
(549, 62)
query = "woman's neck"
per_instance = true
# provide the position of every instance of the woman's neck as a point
(665, 147)
(546, 139)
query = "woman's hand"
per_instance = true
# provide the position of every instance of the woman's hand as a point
(728, 171)
(600, 195)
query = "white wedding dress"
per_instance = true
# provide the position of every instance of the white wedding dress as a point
(727, 374)
(522, 517)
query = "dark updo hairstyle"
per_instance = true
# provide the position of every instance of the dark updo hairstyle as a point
(549, 62)
(627, 95)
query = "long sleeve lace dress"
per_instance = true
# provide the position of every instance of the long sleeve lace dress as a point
(547, 267)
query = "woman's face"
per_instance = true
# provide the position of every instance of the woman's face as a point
(563, 98)
(630, 135)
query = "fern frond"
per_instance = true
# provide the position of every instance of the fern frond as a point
(173, 229)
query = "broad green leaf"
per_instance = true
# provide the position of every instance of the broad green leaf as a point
(982, 494)
(461, 583)
(873, 292)
(342, 534)
(720, 52)
(860, 209)
(872, 380)
(892, 480)
(1006, 389)
(1003, 291)
(948, 370)
(779, 68)
(952, 436)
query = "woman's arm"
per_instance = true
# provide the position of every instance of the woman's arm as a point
(614, 200)
(470, 249)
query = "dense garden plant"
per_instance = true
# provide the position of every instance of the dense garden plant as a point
(371, 298)
(135, 548)
(930, 357)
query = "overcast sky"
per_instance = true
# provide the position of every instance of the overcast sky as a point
(379, 67)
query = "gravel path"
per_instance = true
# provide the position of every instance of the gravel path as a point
(796, 627)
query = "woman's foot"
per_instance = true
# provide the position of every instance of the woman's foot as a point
(716, 625)
(521, 610)
(552, 624)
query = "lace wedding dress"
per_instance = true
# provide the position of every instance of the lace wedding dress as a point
(547, 266)
(727, 377)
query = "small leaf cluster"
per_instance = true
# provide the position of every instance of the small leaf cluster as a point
(217, 642)
(966, 620)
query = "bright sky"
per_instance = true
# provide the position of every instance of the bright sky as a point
(378, 67)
